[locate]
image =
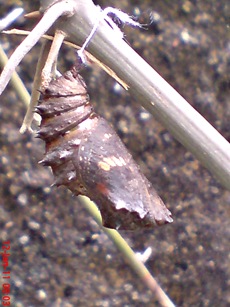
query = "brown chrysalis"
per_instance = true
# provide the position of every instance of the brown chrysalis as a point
(87, 156)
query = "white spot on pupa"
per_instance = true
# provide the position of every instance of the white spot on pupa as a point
(114, 161)
(71, 176)
(86, 124)
(64, 154)
(104, 166)
(120, 204)
(107, 135)
(109, 161)
(76, 142)
(119, 161)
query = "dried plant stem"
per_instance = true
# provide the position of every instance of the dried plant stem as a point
(26, 125)
(88, 55)
(49, 70)
(50, 16)
(43, 75)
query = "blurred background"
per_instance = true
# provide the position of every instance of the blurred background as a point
(59, 255)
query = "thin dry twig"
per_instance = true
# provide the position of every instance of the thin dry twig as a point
(49, 70)
(43, 76)
(30, 114)
(89, 56)
(50, 16)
